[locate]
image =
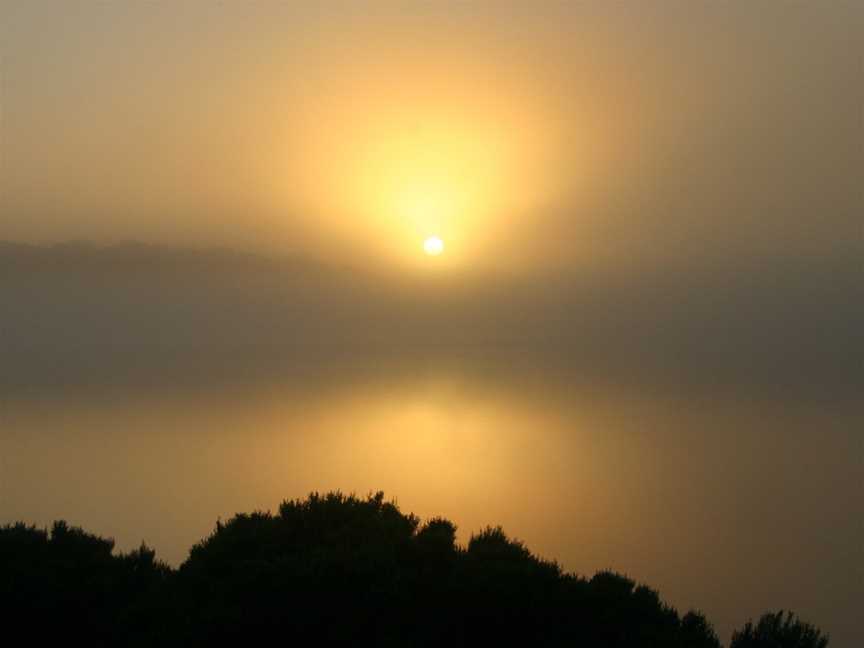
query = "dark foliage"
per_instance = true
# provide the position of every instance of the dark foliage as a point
(776, 631)
(334, 570)
(69, 584)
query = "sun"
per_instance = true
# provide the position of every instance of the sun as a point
(433, 246)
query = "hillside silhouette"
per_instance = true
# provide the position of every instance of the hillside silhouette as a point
(339, 570)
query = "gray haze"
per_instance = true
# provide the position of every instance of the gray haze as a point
(766, 326)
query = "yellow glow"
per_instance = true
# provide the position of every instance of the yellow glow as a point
(439, 178)
(433, 246)
(383, 157)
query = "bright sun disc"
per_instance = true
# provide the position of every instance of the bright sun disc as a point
(433, 246)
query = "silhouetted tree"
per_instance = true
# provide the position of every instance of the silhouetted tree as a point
(333, 570)
(69, 585)
(776, 631)
(697, 632)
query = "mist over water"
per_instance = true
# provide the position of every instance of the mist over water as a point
(698, 431)
(731, 507)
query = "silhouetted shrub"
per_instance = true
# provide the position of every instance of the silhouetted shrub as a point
(775, 631)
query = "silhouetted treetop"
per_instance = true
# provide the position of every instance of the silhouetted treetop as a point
(776, 631)
(337, 569)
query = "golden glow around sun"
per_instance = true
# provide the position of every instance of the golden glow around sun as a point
(433, 246)
(441, 157)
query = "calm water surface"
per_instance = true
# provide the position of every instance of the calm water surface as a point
(705, 499)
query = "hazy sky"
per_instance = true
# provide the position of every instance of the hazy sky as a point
(529, 136)
(647, 318)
